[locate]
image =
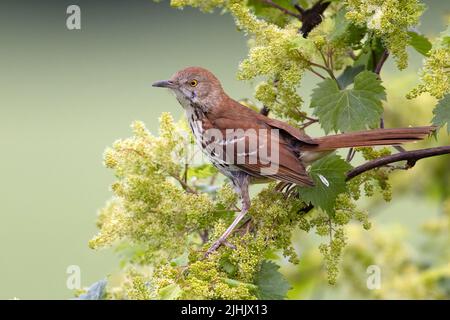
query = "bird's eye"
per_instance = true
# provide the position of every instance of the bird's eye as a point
(193, 83)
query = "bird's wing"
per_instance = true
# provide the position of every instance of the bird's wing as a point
(290, 130)
(233, 110)
(254, 147)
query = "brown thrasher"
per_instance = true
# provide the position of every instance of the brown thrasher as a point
(237, 139)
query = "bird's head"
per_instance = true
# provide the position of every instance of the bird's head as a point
(194, 85)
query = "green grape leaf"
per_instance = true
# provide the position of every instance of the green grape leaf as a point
(269, 13)
(95, 292)
(228, 267)
(354, 35)
(345, 31)
(180, 261)
(236, 283)
(419, 42)
(446, 41)
(353, 109)
(328, 174)
(340, 26)
(170, 292)
(201, 171)
(445, 37)
(270, 282)
(442, 113)
(347, 77)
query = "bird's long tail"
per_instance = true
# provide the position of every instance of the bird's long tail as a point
(376, 137)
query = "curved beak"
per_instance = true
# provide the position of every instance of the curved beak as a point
(163, 84)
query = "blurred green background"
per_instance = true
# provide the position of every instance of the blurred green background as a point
(67, 94)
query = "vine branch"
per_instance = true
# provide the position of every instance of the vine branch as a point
(381, 62)
(410, 156)
(184, 185)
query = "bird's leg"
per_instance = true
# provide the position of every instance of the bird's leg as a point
(241, 185)
(227, 232)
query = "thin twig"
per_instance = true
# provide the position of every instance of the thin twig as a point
(377, 70)
(308, 123)
(185, 174)
(331, 59)
(318, 65)
(325, 60)
(312, 119)
(316, 73)
(400, 149)
(184, 185)
(351, 153)
(328, 70)
(282, 9)
(327, 67)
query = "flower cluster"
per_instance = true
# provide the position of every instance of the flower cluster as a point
(333, 229)
(279, 54)
(377, 179)
(148, 207)
(435, 74)
(390, 20)
(404, 272)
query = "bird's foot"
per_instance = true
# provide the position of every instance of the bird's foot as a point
(226, 234)
(245, 228)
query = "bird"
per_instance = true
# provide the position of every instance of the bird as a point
(237, 139)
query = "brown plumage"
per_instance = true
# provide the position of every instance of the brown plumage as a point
(213, 115)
